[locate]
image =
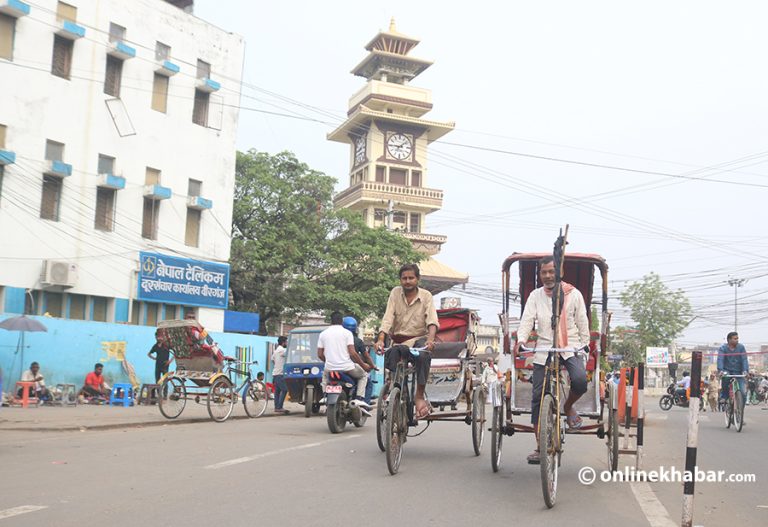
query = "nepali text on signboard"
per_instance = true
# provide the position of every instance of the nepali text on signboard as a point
(657, 357)
(174, 280)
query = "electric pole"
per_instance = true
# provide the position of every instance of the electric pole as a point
(736, 283)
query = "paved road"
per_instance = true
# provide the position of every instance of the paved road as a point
(291, 470)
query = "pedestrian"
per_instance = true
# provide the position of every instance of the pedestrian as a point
(278, 375)
(713, 388)
(162, 357)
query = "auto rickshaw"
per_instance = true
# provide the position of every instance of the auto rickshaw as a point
(303, 369)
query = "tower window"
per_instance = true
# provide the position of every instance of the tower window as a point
(381, 174)
(415, 222)
(416, 178)
(397, 176)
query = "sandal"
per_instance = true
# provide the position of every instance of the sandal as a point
(533, 458)
(426, 412)
(574, 421)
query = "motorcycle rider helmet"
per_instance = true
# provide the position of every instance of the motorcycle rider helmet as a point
(349, 323)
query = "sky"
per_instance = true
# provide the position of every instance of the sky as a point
(642, 125)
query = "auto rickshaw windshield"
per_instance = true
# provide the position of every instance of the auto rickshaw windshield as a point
(302, 348)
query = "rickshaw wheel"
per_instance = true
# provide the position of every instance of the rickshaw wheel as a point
(221, 399)
(548, 450)
(172, 397)
(337, 420)
(612, 442)
(478, 419)
(309, 399)
(381, 420)
(395, 433)
(255, 399)
(496, 437)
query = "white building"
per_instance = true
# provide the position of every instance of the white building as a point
(117, 136)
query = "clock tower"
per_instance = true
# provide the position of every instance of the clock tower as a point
(388, 139)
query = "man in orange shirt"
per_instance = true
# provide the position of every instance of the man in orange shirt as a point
(94, 383)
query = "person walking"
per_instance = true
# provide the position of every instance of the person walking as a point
(713, 388)
(278, 375)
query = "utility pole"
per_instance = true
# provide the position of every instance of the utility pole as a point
(390, 213)
(736, 283)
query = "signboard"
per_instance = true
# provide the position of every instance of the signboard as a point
(175, 280)
(615, 358)
(657, 357)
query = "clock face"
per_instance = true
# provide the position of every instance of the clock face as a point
(399, 146)
(360, 150)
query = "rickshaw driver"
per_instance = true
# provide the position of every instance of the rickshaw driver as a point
(410, 320)
(573, 333)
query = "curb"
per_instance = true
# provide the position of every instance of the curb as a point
(114, 426)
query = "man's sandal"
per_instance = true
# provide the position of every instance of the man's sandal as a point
(533, 457)
(574, 421)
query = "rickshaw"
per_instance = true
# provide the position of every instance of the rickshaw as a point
(512, 397)
(303, 369)
(203, 374)
(452, 377)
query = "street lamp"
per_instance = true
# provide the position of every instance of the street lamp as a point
(736, 283)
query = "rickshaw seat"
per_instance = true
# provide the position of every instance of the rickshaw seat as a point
(449, 350)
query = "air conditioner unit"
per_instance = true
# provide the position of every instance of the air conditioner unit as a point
(58, 273)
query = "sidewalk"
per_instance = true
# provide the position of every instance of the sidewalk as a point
(91, 417)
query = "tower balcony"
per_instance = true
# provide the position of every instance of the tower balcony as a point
(380, 96)
(375, 192)
(426, 243)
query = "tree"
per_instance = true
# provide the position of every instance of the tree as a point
(625, 341)
(292, 253)
(660, 314)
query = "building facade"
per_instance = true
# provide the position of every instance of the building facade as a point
(389, 138)
(117, 163)
(117, 131)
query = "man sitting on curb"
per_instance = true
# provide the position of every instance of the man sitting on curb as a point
(95, 387)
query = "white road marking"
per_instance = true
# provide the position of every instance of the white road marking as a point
(762, 506)
(246, 459)
(654, 511)
(8, 513)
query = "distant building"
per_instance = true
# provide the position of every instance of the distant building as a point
(488, 338)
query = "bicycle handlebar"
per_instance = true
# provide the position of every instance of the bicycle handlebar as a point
(734, 376)
(579, 351)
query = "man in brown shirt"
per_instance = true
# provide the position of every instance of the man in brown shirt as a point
(411, 321)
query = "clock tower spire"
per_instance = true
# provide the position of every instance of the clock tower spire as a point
(389, 139)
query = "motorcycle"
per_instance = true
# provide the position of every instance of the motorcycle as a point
(672, 398)
(340, 410)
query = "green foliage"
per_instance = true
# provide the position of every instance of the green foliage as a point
(594, 323)
(626, 341)
(660, 314)
(292, 253)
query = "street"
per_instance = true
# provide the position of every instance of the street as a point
(290, 470)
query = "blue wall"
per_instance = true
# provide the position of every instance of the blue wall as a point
(70, 348)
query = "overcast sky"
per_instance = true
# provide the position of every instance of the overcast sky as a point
(669, 97)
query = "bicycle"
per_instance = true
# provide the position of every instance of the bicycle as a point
(551, 425)
(395, 415)
(734, 406)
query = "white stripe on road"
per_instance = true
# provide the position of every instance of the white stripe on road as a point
(8, 513)
(654, 511)
(246, 459)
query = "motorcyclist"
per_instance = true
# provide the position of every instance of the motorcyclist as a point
(350, 323)
(682, 386)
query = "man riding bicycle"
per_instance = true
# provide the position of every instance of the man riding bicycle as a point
(411, 321)
(732, 360)
(573, 333)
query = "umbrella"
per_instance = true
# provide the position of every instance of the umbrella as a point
(22, 323)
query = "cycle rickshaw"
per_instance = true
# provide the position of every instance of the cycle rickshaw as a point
(452, 377)
(512, 398)
(203, 374)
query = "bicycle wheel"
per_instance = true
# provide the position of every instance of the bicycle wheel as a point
(255, 398)
(612, 440)
(172, 397)
(738, 411)
(335, 414)
(395, 431)
(728, 413)
(381, 420)
(548, 449)
(221, 399)
(478, 419)
(497, 434)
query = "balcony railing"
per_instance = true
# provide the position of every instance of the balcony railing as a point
(372, 190)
